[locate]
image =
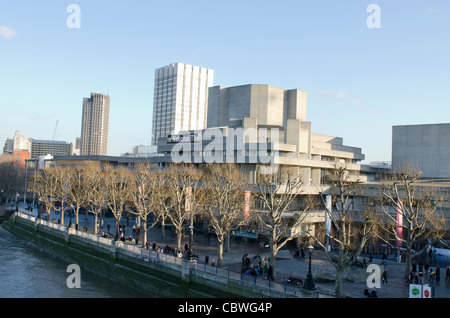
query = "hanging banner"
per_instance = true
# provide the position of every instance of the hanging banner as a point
(247, 204)
(327, 215)
(399, 208)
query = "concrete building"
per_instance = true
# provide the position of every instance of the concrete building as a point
(8, 148)
(423, 147)
(275, 131)
(49, 147)
(95, 125)
(21, 143)
(142, 151)
(180, 99)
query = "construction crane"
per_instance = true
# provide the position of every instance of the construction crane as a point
(54, 132)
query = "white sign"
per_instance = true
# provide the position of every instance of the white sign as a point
(419, 291)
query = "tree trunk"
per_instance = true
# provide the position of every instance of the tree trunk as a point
(62, 215)
(227, 246)
(95, 224)
(144, 225)
(338, 286)
(273, 253)
(76, 219)
(408, 259)
(219, 261)
(163, 229)
(179, 235)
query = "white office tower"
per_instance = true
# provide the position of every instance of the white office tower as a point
(180, 99)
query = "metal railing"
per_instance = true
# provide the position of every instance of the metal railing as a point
(150, 255)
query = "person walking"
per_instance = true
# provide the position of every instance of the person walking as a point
(438, 273)
(384, 277)
(270, 273)
(447, 274)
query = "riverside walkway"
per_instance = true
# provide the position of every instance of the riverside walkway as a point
(285, 266)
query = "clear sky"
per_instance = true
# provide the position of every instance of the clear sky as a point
(360, 81)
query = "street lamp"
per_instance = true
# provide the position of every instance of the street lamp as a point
(309, 282)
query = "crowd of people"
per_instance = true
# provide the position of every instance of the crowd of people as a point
(421, 272)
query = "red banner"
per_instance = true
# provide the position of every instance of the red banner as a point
(399, 209)
(247, 204)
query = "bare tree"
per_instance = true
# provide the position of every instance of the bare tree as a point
(224, 204)
(278, 192)
(117, 182)
(163, 199)
(144, 196)
(94, 182)
(43, 185)
(415, 215)
(10, 174)
(77, 192)
(183, 187)
(350, 227)
(62, 188)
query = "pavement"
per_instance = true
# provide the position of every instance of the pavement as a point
(286, 266)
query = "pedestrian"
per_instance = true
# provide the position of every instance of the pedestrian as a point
(154, 246)
(270, 273)
(438, 273)
(409, 278)
(384, 277)
(447, 274)
(432, 275)
(414, 267)
(108, 226)
(416, 279)
(426, 267)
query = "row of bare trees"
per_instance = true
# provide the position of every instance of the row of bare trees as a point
(180, 193)
(176, 193)
(11, 176)
(397, 211)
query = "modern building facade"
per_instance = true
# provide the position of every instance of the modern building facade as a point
(180, 99)
(20, 142)
(422, 147)
(95, 125)
(260, 125)
(49, 147)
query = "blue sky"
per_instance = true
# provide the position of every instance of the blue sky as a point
(360, 81)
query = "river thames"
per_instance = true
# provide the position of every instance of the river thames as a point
(28, 272)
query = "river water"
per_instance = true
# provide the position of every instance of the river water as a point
(28, 272)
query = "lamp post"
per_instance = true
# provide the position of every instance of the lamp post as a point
(309, 282)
